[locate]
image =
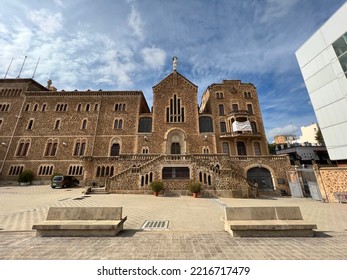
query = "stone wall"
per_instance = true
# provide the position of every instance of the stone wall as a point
(331, 180)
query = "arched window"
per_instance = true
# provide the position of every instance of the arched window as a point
(84, 124)
(175, 112)
(115, 149)
(51, 147)
(57, 124)
(23, 148)
(30, 124)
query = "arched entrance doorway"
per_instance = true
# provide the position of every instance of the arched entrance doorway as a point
(175, 142)
(262, 177)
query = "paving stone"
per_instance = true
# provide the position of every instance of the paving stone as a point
(185, 238)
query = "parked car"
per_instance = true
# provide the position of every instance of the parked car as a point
(64, 181)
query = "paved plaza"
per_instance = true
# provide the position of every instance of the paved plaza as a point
(195, 230)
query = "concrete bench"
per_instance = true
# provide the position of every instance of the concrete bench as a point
(81, 221)
(266, 221)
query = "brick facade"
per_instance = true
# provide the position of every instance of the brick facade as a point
(113, 138)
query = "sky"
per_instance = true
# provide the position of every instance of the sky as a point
(129, 45)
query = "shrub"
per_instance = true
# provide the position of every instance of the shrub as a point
(157, 186)
(194, 187)
(26, 176)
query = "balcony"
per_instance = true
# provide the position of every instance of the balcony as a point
(241, 135)
(238, 114)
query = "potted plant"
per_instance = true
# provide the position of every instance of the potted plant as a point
(157, 186)
(194, 188)
(25, 177)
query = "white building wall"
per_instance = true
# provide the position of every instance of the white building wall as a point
(309, 134)
(326, 82)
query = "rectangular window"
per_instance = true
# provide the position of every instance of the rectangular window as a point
(205, 124)
(254, 127)
(257, 150)
(223, 127)
(145, 124)
(118, 124)
(175, 173)
(340, 47)
(221, 109)
(250, 109)
(225, 147)
(235, 107)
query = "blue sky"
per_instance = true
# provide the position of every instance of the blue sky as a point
(129, 45)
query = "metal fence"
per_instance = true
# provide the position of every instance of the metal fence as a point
(303, 183)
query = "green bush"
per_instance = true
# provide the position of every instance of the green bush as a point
(26, 176)
(157, 186)
(194, 187)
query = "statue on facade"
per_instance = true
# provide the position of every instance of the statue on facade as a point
(174, 63)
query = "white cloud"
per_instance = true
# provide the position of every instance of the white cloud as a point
(135, 22)
(154, 58)
(59, 3)
(289, 129)
(276, 9)
(46, 21)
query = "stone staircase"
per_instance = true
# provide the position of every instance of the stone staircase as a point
(202, 162)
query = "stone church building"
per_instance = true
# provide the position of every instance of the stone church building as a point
(113, 138)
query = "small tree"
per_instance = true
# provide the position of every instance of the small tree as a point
(194, 187)
(319, 137)
(157, 186)
(26, 176)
